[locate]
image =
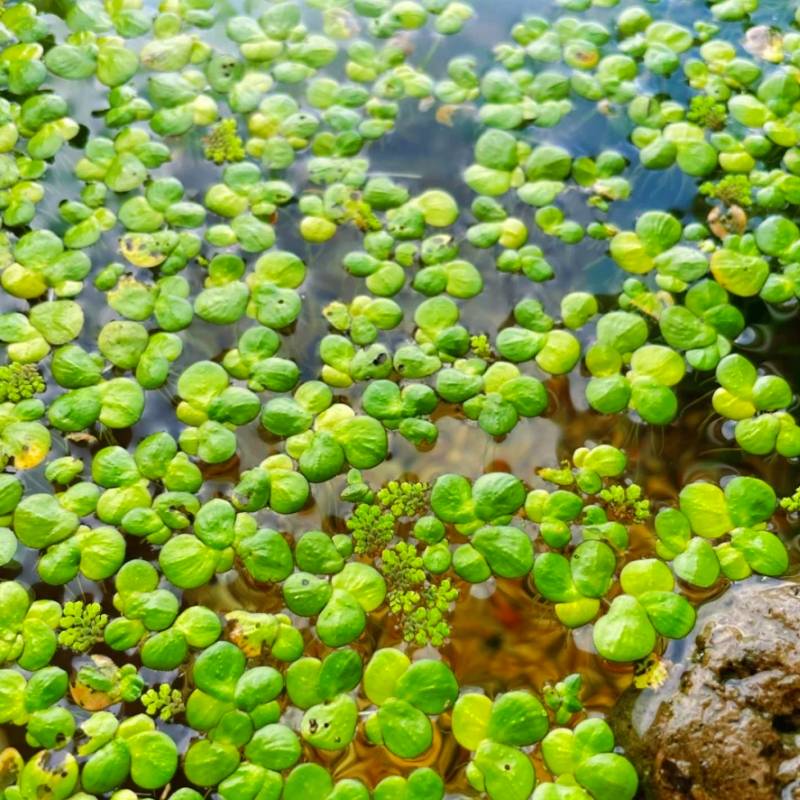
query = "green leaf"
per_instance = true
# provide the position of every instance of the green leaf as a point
(154, 759)
(624, 633)
(517, 719)
(698, 564)
(428, 685)
(706, 509)
(405, 730)
(273, 747)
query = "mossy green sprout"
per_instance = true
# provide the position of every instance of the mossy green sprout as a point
(732, 190)
(402, 567)
(372, 528)
(481, 345)
(82, 625)
(223, 143)
(422, 613)
(792, 502)
(164, 702)
(20, 382)
(404, 498)
(708, 112)
(419, 605)
(626, 502)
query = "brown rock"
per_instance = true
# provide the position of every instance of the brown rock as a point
(726, 724)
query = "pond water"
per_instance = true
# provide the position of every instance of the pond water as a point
(504, 633)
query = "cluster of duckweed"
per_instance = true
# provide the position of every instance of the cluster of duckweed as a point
(112, 528)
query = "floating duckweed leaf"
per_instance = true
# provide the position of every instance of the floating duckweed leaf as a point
(706, 509)
(507, 550)
(624, 633)
(187, 562)
(143, 250)
(471, 719)
(741, 273)
(503, 771)
(154, 759)
(698, 564)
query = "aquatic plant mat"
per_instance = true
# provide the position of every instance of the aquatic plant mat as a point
(385, 384)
